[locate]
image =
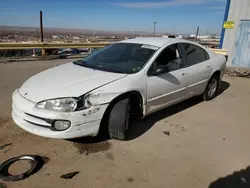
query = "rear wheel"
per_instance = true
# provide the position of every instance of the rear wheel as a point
(212, 88)
(119, 119)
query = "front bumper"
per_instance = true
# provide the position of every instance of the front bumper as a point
(39, 121)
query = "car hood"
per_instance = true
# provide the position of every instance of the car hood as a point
(68, 80)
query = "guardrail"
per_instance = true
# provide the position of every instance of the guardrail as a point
(19, 46)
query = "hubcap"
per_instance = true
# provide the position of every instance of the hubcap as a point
(212, 87)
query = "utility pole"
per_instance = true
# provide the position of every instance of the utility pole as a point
(41, 30)
(154, 29)
(135, 34)
(197, 33)
(41, 25)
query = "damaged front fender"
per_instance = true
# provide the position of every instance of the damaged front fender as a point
(102, 97)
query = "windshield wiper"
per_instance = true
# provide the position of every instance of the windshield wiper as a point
(117, 71)
(78, 62)
(98, 67)
(82, 63)
(108, 69)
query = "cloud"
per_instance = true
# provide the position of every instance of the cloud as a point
(167, 3)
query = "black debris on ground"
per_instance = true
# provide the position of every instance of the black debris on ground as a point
(69, 175)
(5, 145)
(166, 133)
(130, 179)
(7, 150)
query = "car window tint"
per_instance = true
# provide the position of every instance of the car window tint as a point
(169, 57)
(195, 54)
(113, 53)
(125, 58)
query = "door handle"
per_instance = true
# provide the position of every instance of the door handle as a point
(184, 74)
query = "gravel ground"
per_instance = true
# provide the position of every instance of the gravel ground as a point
(189, 145)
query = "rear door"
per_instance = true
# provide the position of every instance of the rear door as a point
(198, 68)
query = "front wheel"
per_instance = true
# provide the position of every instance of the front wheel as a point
(212, 88)
(119, 119)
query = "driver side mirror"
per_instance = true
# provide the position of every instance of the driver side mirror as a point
(154, 71)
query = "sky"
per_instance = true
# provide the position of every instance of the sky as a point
(172, 16)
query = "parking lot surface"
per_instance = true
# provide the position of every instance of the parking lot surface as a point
(189, 145)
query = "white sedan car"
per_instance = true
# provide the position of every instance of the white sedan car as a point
(104, 91)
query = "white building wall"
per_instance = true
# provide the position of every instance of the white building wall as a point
(239, 10)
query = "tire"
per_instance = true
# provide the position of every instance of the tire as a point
(212, 88)
(119, 119)
(36, 161)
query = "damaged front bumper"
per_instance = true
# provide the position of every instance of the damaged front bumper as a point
(40, 122)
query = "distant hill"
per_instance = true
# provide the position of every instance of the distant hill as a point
(50, 30)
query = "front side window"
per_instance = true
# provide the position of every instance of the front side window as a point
(194, 54)
(170, 59)
(120, 57)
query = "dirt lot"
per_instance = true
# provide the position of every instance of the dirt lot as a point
(207, 141)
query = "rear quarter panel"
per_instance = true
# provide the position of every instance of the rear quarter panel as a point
(218, 63)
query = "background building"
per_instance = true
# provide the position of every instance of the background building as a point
(235, 35)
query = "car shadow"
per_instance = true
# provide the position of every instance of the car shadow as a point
(224, 86)
(139, 128)
(239, 179)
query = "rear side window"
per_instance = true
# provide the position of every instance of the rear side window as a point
(195, 54)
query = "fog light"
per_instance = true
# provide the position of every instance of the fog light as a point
(61, 125)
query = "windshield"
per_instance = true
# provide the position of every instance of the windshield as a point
(120, 57)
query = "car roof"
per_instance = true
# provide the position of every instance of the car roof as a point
(155, 41)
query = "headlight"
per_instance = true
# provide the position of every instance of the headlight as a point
(84, 103)
(60, 105)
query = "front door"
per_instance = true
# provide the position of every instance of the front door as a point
(166, 80)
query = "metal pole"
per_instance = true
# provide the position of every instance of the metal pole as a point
(197, 33)
(41, 30)
(223, 30)
(41, 25)
(154, 29)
